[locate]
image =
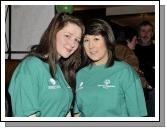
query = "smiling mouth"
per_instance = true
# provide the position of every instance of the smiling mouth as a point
(93, 52)
(68, 50)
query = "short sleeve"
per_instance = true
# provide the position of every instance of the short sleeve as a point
(133, 93)
(23, 89)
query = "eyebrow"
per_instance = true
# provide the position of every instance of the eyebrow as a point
(86, 36)
(73, 34)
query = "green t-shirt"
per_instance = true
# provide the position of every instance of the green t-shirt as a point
(109, 92)
(33, 90)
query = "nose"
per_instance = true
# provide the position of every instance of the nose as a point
(145, 33)
(91, 44)
(71, 42)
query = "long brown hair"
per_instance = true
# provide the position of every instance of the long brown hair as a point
(47, 47)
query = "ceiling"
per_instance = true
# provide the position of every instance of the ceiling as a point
(133, 20)
(88, 7)
(124, 15)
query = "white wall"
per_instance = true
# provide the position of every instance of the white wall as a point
(7, 27)
(28, 22)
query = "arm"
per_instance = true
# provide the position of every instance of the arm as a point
(134, 95)
(23, 89)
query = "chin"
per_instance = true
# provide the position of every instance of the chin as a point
(94, 59)
(66, 56)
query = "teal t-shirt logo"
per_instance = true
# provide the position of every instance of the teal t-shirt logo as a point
(80, 86)
(53, 84)
(107, 84)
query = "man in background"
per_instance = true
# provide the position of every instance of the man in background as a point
(145, 51)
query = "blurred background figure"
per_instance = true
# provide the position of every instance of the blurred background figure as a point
(145, 51)
(124, 47)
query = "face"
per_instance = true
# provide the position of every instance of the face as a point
(95, 48)
(132, 43)
(67, 40)
(146, 33)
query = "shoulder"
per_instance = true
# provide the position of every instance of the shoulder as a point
(121, 65)
(120, 47)
(125, 70)
(83, 70)
(31, 61)
(123, 51)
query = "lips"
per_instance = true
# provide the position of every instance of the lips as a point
(93, 52)
(68, 50)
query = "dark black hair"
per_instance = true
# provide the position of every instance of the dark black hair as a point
(127, 34)
(146, 23)
(100, 27)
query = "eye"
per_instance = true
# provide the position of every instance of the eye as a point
(85, 41)
(77, 40)
(96, 39)
(67, 35)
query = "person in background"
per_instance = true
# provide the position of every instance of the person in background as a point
(124, 50)
(106, 87)
(145, 51)
(43, 83)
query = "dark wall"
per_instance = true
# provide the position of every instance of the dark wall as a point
(85, 15)
(10, 66)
